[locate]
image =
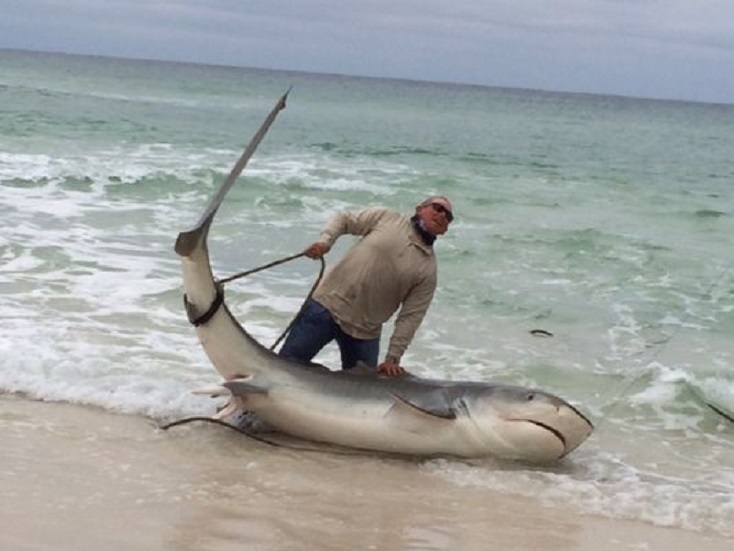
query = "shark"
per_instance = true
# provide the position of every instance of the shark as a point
(360, 408)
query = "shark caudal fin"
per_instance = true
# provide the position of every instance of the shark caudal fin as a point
(188, 240)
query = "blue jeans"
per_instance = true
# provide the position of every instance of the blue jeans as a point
(314, 328)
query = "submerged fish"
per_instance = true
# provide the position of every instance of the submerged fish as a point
(408, 415)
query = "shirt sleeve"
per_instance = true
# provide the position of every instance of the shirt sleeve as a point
(410, 317)
(359, 222)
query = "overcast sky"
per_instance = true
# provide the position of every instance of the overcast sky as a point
(676, 49)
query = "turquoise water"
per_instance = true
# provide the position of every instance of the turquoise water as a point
(606, 221)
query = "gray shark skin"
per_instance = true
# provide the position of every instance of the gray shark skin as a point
(357, 409)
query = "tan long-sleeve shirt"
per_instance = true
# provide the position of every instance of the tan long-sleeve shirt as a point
(389, 268)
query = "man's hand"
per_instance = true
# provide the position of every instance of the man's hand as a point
(317, 250)
(390, 367)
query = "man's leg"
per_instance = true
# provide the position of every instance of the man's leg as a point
(357, 350)
(313, 329)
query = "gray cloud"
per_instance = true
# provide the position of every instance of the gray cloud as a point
(657, 48)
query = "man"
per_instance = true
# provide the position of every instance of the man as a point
(392, 266)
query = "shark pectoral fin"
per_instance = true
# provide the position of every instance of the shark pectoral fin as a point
(244, 387)
(409, 417)
(437, 403)
(212, 391)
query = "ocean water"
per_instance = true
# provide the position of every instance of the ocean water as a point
(606, 221)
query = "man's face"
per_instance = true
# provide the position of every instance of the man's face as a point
(436, 216)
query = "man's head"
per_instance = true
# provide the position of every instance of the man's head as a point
(435, 214)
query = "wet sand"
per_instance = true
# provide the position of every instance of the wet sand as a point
(78, 478)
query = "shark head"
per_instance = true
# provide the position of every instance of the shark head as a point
(526, 424)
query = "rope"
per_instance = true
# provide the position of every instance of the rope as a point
(249, 434)
(254, 436)
(271, 265)
(263, 267)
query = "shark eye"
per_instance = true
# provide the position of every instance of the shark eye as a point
(530, 396)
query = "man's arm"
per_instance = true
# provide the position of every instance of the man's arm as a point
(409, 318)
(359, 222)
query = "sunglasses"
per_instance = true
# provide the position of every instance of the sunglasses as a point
(438, 207)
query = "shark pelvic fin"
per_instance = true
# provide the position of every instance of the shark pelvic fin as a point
(213, 391)
(244, 387)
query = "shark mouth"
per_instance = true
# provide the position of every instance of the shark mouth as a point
(554, 432)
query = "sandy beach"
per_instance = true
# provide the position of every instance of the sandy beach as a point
(78, 478)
